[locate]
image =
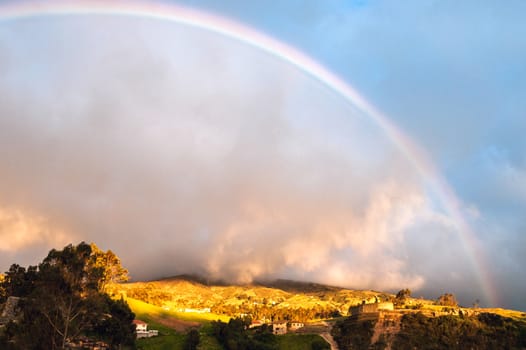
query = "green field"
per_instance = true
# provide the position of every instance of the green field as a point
(168, 338)
(148, 312)
(298, 341)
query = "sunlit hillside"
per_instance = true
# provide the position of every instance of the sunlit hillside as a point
(275, 300)
(189, 298)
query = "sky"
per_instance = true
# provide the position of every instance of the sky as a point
(187, 151)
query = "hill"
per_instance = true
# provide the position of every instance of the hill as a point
(183, 302)
(266, 300)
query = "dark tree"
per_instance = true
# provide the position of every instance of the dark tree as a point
(18, 282)
(62, 299)
(320, 344)
(116, 326)
(235, 336)
(447, 299)
(402, 296)
(192, 340)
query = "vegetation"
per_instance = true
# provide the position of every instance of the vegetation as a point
(172, 327)
(484, 331)
(447, 299)
(302, 342)
(234, 335)
(257, 301)
(166, 341)
(62, 299)
(78, 293)
(152, 313)
(401, 297)
(192, 340)
(350, 333)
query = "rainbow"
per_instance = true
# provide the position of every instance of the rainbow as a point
(175, 13)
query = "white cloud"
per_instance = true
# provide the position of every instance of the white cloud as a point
(183, 151)
(20, 230)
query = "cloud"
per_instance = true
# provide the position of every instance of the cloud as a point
(183, 151)
(19, 230)
(452, 76)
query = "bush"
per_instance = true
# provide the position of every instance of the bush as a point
(192, 340)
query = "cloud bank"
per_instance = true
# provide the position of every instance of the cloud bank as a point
(184, 151)
(452, 75)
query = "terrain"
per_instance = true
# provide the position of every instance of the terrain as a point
(182, 303)
(78, 298)
(274, 300)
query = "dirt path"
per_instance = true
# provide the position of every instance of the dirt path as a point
(179, 325)
(328, 337)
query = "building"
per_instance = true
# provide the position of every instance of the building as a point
(279, 328)
(371, 308)
(256, 323)
(296, 325)
(141, 328)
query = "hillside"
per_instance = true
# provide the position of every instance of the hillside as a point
(186, 311)
(185, 302)
(281, 299)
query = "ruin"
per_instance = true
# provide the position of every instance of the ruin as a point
(371, 308)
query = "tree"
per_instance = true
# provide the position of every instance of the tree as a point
(67, 291)
(447, 299)
(235, 336)
(3, 292)
(116, 326)
(402, 296)
(18, 282)
(320, 344)
(192, 340)
(63, 299)
(110, 267)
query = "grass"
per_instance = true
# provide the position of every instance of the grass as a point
(169, 338)
(209, 343)
(148, 312)
(171, 341)
(517, 315)
(297, 341)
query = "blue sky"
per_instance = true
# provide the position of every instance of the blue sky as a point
(450, 74)
(113, 124)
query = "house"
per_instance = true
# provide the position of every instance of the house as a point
(256, 323)
(142, 331)
(279, 328)
(140, 326)
(296, 325)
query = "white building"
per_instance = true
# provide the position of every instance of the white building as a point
(279, 328)
(296, 325)
(141, 328)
